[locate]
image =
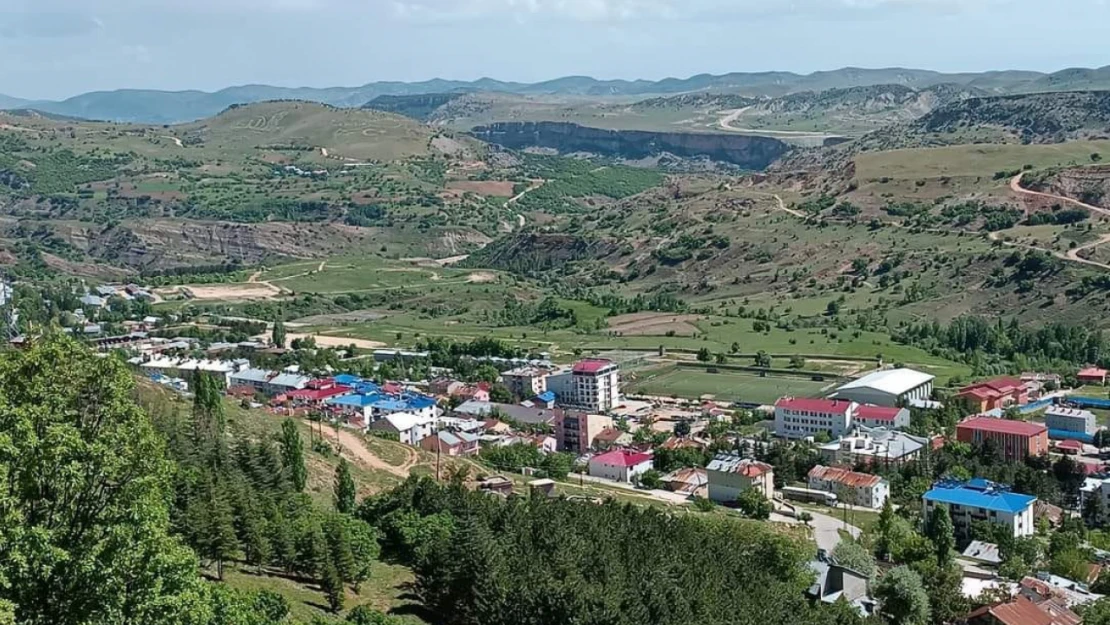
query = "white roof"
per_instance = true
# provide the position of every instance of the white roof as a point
(892, 381)
(402, 421)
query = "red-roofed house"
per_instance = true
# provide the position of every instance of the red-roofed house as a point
(317, 396)
(620, 465)
(471, 392)
(799, 418)
(1070, 447)
(1016, 439)
(996, 394)
(1023, 611)
(861, 489)
(1092, 375)
(882, 417)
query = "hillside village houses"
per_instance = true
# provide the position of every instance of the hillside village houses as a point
(730, 474)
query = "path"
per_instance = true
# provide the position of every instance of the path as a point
(175, 140)
(826, 529)
(782, 205)
(1071, 255)
(1015, 186)
(731, 116)
(356, 447)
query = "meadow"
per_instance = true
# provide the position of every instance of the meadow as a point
(974, 160)
(726, 385)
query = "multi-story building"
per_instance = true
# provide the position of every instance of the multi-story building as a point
(996, 394)
(596, 385)
(526, 382)
(730, 474)
(889, 417)
(575, 431)
(1063, 422)
(982, 500)
(1016, 439)
(799, 418)
(860, 489)
(890, 387)
(873, 446)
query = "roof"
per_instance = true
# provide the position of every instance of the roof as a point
(993, 497)
(318, 394)
(456, 438)
(402, 421)
(523, 414)
(1020, 611)
(835, 406)
(1070, 444)
(1062, 411)
(346, 378)
(732, 463)
(877, 413)
(591, 365)
(892, 381)
(609, 435)
(844, 476)
(252, 375)
(998, 385)
(983, 551)
(546, 397)
(1092, 372)
(353, 401)
(291, 380)
(1002, 426)
(621, 458)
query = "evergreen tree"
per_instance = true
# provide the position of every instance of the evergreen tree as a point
(941, 533)
(256, 540)
(292, 455)
(344, 488)
(332, 586)
(278, 334)
(219, 542)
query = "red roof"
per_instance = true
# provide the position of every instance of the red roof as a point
(1070, 444)
(591, 365)
(991, 388)
(320, 394)
(843, 476)
(1093, 372)
(320, 383)
(877, 413)
(835, 406)
(1002, 426)
(1020, 611)
(622, 458)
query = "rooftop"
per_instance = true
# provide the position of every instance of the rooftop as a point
(877, 413)
(402, 421)
(998, 385)
(893, 381)
(979, 494)
(621, 458)
(1002, 426)
(592, 365)
(835, 406)
(844, 476)
(732, 463)
(1092, 372)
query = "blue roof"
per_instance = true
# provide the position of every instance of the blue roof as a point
(974, 495)
(355, 401)
(367, 388)
(1064, 435)
(546, 397)
(393, 405)
(417, 402)
(346, 379)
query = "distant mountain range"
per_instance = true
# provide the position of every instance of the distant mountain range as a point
(166, 107)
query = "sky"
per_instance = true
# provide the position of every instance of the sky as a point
(53, 49)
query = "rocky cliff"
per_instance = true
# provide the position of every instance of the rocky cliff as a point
(749, 152)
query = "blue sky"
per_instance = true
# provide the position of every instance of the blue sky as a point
(58, 48)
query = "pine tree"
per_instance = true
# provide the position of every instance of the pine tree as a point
(345, 492)
(220, 541)
(278, 335)
(256, 541)
(942, 534)
(292, 455)
(332, 586)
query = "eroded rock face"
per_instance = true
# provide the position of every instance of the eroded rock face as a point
(749, 152)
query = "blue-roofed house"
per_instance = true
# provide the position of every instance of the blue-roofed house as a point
(546, 399)
(346, 379)
(982, 500)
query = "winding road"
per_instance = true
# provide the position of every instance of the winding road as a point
(1015, 186)
(1072, 254)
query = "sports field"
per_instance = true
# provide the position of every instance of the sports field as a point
(726, 386)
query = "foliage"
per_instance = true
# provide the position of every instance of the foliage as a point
(941, 532)
(902, 596)
(516, 457)
(753, 505)
(345, 491)
(855, 556)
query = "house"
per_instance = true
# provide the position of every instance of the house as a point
(612, 437)
(860, 489)
(834, 582)
(892, 418)
(93, 301)
(389, 355)
(444, 386)
(576, 431)
(1092, 375)
(873, 446)
(596, 385)
(254, 378)
(285, 382)
(1044, 510)
(472, 392)
(983, 552)
(451, 443)
(409, 428)
(1015, 439)
(620, 465)
(801, 418)
(1046, 586)
(982, 500)
(890, 387)
(542, 488)
(729, 475)
(995, 394)
(526, 381)
(692, 482)
(1064, 422)
(512, 412)
(317, 396)
(1023, 611)
(497, 484)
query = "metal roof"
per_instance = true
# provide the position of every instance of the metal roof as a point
(1002, 426)
(893, 381)
(994, 497)
(732, 463)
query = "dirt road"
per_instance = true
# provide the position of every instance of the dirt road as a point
(1071, 255)
(730, 117)
(1015, 186)
(354, 446)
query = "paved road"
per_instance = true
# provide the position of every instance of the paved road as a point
(826, 529)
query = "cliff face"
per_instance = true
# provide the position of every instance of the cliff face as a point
(750, 152)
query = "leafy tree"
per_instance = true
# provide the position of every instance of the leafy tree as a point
(682, 428)
(277, 336)
(720, 358)
(902, 597)
(651, 479)
(702, 504)
(499, 393)
(704, 355)
(734, 348)
(365, 615)
(763, 359)
(292, 455)
(944, 588)
(855, 556)
(1097, 612)
(941, 533)
(753, 505)
(797, 362)
(345, 491)
(805, 517)
(272, 606)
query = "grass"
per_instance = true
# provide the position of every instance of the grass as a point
(973, 160)
(726, 385)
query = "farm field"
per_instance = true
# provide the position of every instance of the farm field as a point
(724, 386)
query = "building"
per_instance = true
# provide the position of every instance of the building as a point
(996, 394)
(729, 475)
(890, 387)
(859, 489)
(389, 355)
(983, 552)
(1092, 375)
(524, 382)
(576, 431)
(451, 443)
(873, 446)
(1015, 439)
(1046, 586)
(872, 416)
(1070, 421)
(612, 437)
(529, 415)
(620, 465)
(286, 382)
(692, 482)
(982, 500)
(223, 370)
(410, 429)
(834, 582)
(801, 418)
(1094, 487)
(596, 385)
(1023, 611)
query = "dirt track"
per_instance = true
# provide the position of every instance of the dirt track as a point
(353, 445)
(1072, 254)
(1015, 186)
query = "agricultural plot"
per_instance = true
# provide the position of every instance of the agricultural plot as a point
(725, 386)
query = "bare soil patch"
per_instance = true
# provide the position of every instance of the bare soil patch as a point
(481, 276)
(227, 292)
(653, 324)
(336, 341)
(499, 188)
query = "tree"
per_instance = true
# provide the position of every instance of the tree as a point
(277, 337)
(332, 586)
(902, 597)
(1094, 511)
(762, 359)
(84, 532)
(797, 362)
(944, 589)
(941, 533)
(292, 455)
(832, 309)
(720, 358)
(682, 428)
(855, 556)
(754, 505)
(365, 615)
(345, 491)
(734, 348)
(704, 355)
(1097, 612)
(499, 393)
(650, 479)
(1102, 438)
(272, 606)
(218, 540)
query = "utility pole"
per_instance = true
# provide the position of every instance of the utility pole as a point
(439, 450)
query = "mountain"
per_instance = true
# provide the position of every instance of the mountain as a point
(8, 102)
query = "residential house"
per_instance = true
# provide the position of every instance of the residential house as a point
(982, 500)
(995, 394)
(1023, 611)
(801, 418)
(1046, 586)
(1015, 439)
(389, 355)
(892, 418)
(1064, 422)
(983, 552)
(528, 415)
(497, 484)
(690, 481)
(285, 382)
(576, 431)
(253, 378)
(1092, 375)
(451, 443)
(835, 582)
(524, 382)
(860, 489)
(612, 437)
(873, 446)
(620, 465)
(93, 301)
(729, 475)
(409, 428)
(444, 387)
(889, 387)
(472, 392)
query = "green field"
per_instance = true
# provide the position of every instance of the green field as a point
(973, 160)
(726, 385)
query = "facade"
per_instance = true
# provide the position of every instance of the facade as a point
(888, 417)
(410, 429)
(1070, 420)
(1092, 375)
(576, 431)
(451, 443)
(873, 446)
(596, 385)
(729, 475)
(799, 418)
(982, 500)
(996, 394)
(859, 489)
(890, 387)
(620, 465)
(1016, 439)
(526, 382)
